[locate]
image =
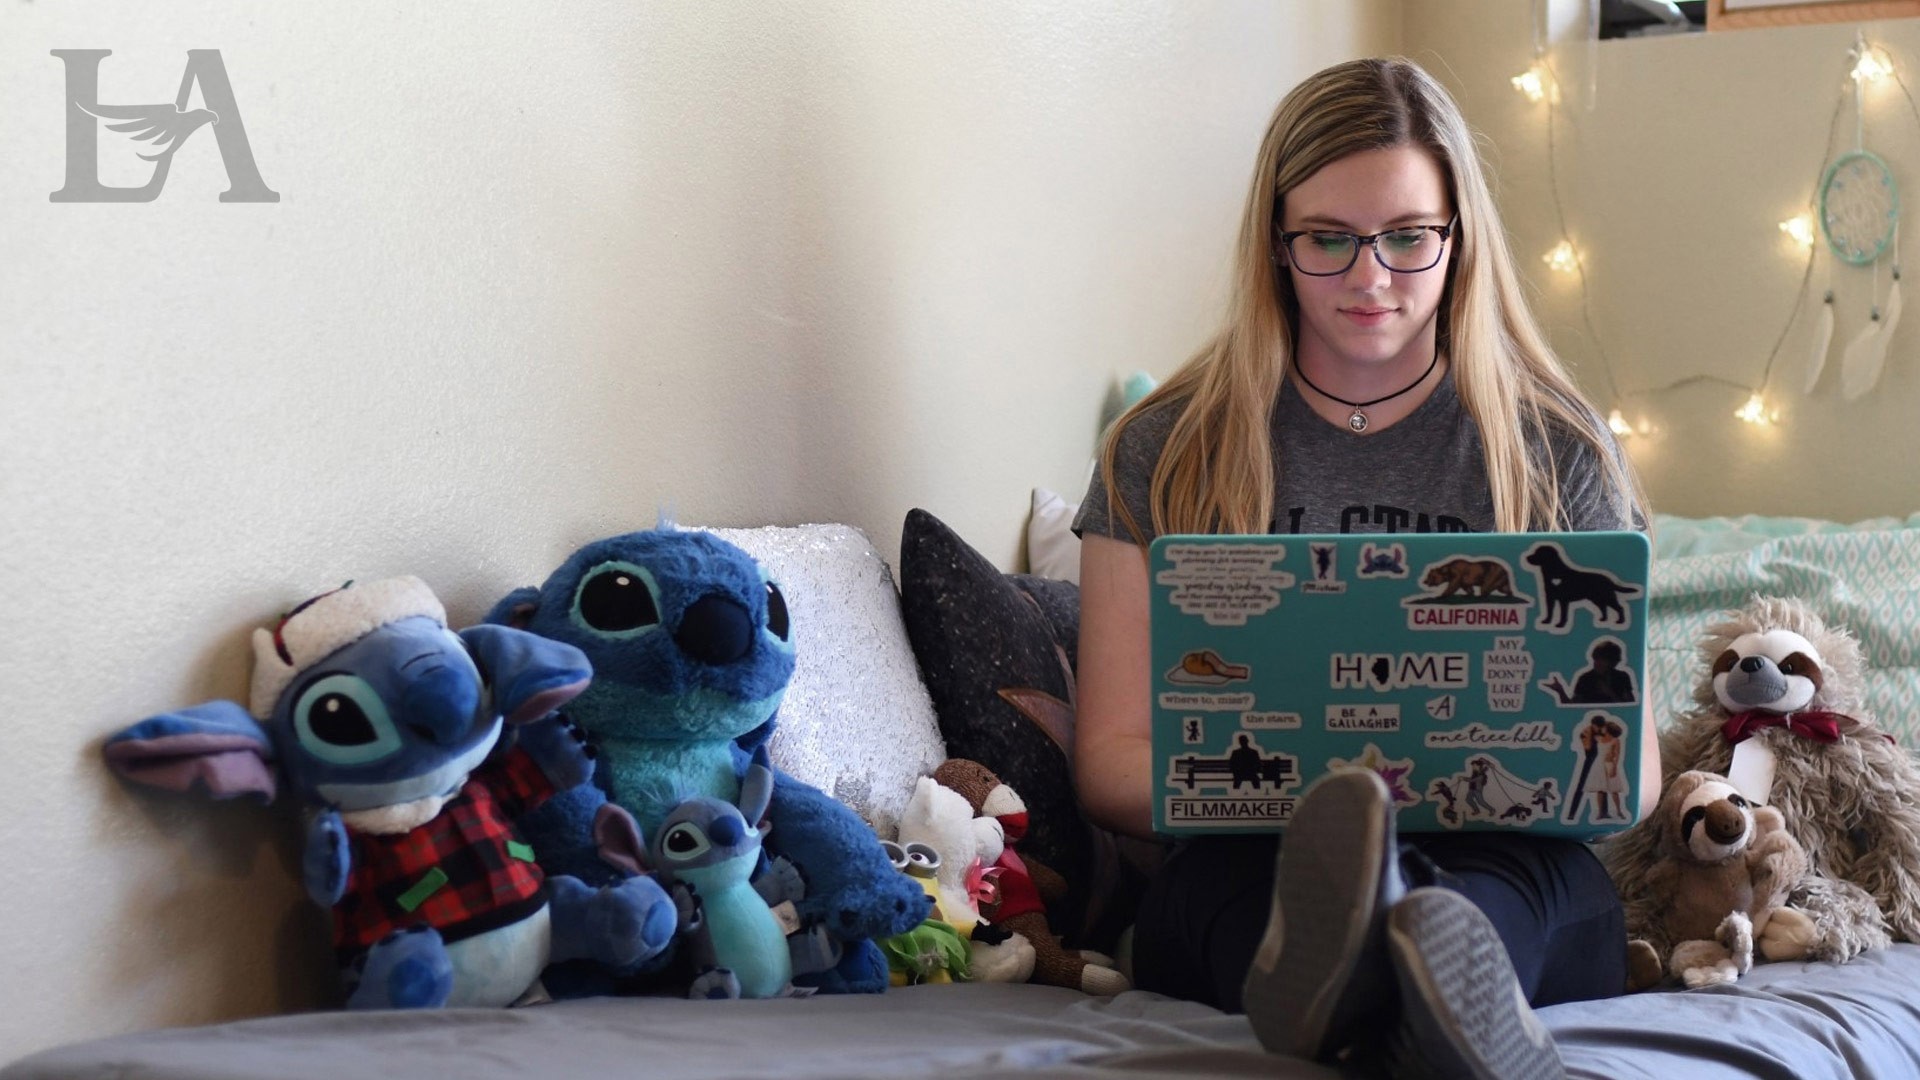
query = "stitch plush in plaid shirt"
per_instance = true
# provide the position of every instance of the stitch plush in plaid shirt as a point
(463, 873)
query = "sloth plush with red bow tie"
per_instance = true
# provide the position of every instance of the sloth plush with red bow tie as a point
(1781, 712)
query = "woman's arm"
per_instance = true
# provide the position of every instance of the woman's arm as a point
(1112, 740)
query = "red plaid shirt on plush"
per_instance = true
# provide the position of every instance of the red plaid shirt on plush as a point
(463, 873)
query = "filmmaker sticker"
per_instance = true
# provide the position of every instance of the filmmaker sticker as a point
(1363, 717)
(1606, 680)
(1441, 708)
(1507, 667)
(1396, 772)
(1527, 735)
(1564, 586)
(1225, 584)
(1246, 767)
(1382, 562)
(1465, 593)
(1326, 570)
(1598, 784)
(1397, 671)
(1488, 792)
(1204, 667)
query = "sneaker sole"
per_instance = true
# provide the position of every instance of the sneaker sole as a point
(1331, 854)
(1467, 1013)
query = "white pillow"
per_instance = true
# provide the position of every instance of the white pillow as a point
(1052, 549)
(856, 721)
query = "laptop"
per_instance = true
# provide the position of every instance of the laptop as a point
(1495, 681)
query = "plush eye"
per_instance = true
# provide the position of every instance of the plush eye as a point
(777, 622)
(617, 599)
(1804, 666)
(922, 856)
(1738, 801)
(1725, 661)
(341, 720)
(684, 842)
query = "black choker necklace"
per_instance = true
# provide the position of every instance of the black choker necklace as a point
(1357, 422)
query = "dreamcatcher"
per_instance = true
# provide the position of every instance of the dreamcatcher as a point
(1860, 217)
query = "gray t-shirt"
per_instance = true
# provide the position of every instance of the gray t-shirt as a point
(1427, 473)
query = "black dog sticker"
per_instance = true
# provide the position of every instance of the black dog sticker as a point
(1564, 586)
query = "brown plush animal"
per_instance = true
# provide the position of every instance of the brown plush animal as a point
(1026, 886)
(1774, 673)
(1726, 868)
(1475, 577)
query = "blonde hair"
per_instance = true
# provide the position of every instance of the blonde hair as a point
(1217, 471)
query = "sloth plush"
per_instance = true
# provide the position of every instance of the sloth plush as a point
(1726, 868)
(1780, 711)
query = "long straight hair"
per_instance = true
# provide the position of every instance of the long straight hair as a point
(1216, 473)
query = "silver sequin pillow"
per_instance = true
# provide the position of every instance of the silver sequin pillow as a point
(856, 722)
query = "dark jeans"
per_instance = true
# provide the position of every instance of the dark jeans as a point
(1550, 899)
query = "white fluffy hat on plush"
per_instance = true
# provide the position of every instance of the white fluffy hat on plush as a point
(328, 623)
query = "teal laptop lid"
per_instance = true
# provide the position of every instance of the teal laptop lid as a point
(1495, 681)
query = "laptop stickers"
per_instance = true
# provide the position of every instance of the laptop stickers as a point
(1493, 681)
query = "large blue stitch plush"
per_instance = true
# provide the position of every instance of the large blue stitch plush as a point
(383, 725)
(692, 649)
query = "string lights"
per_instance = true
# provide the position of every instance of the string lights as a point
(1869, 64)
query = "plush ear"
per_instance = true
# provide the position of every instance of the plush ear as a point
(216, 749)
(531, 676)
(756, 788)
(617, 838)
(516, 608)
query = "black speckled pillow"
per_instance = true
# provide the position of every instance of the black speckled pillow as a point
(997, 652)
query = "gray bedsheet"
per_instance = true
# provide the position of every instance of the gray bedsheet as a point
(1783, 1020)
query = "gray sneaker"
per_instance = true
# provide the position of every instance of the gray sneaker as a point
(1322, 973)
(1462, 1011)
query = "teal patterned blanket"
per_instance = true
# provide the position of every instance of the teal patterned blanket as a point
(1865, 577)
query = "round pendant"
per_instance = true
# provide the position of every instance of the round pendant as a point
(1357, 422)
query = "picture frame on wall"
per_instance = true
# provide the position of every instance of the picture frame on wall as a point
(1748, 14)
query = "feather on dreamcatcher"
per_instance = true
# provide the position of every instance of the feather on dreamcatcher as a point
(1860, 217)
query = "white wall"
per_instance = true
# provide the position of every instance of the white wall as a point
(537, 271)
(1674, 182)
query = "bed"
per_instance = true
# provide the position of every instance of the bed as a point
(961, 619)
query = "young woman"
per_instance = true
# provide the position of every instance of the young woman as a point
(1378, 371)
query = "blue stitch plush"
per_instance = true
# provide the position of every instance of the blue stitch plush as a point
(692, 650)
(382, 725)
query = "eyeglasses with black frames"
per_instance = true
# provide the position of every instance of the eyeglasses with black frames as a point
(1407, 250)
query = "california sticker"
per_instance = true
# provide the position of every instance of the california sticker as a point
(1467, 593)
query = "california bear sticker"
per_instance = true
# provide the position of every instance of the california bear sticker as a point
(1467, 593)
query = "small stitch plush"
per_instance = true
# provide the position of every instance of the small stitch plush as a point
(383, 725)
(708, 853)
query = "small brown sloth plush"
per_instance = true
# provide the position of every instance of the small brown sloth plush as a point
(1726, 868)
(1775, 675)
